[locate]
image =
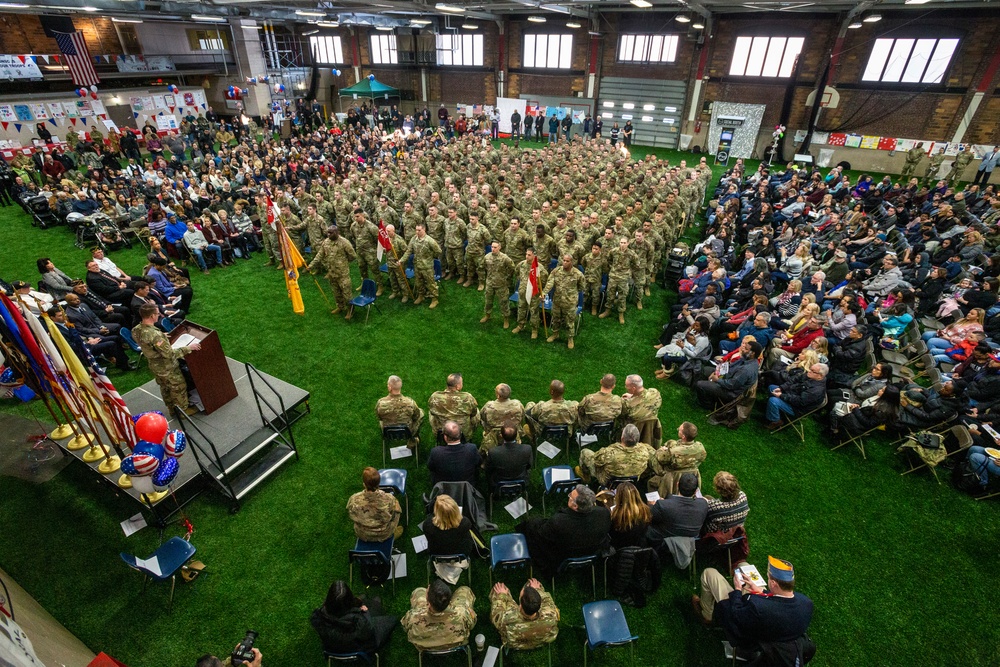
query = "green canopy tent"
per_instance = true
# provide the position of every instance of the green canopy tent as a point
(369, 89)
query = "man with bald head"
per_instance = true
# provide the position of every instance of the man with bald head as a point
(601, 406)
(455, 405)
(394, 409)
(641, 406)
(498, 413)
(556, 411)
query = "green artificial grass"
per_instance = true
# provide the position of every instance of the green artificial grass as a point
(897, 566)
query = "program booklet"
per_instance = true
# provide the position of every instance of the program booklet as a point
(752, 575)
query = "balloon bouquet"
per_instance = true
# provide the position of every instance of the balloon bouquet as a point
(153, 465)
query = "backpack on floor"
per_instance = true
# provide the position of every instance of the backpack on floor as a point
(965, 478)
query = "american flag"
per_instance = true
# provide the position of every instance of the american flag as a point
(74, 50)
(113, 402)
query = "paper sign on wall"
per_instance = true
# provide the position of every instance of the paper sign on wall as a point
(7, 114)
(40, 111)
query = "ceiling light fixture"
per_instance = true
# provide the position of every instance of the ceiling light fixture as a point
(537, 19)
(872, 18)
(916, 2)
(698, 25)
(12, 5)
(442, 7)
(310, 32)
(470, 26)
(383, 27)
(421, 21)
(855, 25)
(118, 20)
(303, 12)
(682, 18)
(573, 24)
(327, 24)
(645, 4)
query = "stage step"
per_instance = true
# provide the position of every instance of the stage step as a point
(261, 469)
(242, 453)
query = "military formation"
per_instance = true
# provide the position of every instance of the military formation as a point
(551, 232)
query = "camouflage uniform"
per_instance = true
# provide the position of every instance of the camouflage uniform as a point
(516, 243)
(315, 228)
(594, 269)
(163, 365)
(335, 257)
(551, 413)
(435, 229)
(597, 407)
(933, 167)
(496, 415)
(423, 251)
(643, 410)
(375, 514)
(395, 275)
(620, 265)
(913, 158)
(454, 240)
(457, 406)
(962, 161)
(272, 247)
(669, 461)
(475, 252)
(524, 309)
(499, 269)
(429, 630)
(521, 633)
(567, 285)
(409, 221)
(399, 410)
(642, 268)
(365, 239)
(616, 460)
(545, 249)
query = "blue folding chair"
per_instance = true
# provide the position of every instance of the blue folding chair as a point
(516, 488)
(366, 299)
(562, 486)
(437, 270)
(397, 433)
(167, 324)
(553, 263)
(507, 551)
(515, 298)
(604, 290)
(606, 626)
(355, 657)
(445, 651)
(557, 434)
(579, 563)
(409, 270)
(373, 554)
(393, 480)
(126, 335)
(170, 557)
(579, 313)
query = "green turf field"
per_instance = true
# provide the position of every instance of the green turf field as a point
(896, 566)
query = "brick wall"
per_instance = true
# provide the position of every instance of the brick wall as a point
(23, 33)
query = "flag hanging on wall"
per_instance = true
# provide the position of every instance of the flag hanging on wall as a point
(74, 50)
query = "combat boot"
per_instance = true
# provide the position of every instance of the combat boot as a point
(379, 291)
(552, 338)
(534, 334)
(638, 305)
(604, 314)
(486, 318)
(593, 310)
(569, 343)
(621, 318)
(506, 323)
(419, 300)
(480, 288)
(516, 330)
(404, 299)
(434, 303)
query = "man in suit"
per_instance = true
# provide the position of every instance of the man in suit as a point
(986, 167)
(679, 515)
(84, 319)
(103, 308)
(508, 460)
(455, 460)
(109, 347)
(579, 529)
(106, 285)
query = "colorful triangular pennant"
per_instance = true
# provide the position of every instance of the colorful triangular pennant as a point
(45, 58)
(5, 124)
(34, 59)
(56, 58)
(17, 126)
(22, 59)
(135, 114)
(54, 123)
(73, 120)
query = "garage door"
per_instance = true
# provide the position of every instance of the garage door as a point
(654, 107)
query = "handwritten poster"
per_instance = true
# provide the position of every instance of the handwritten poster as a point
(22, 112)
(7, 114)
(56, 110)
(40, 111)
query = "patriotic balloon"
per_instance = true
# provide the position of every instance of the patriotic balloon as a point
(140, 464)
(151, 427)
(264, 79)
(151, 449)
(371, 77)
(93, 87)
(143, 484)
(165, 474)
(175, 443)
(335, 72)
(94, 95)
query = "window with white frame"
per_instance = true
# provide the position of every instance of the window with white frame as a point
(384, 50)
(327, 49)
(909, 60)
(548, 51)
(647, 48)
(765, 56)
(464, 50)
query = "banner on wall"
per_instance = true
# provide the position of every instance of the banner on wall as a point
(40, 111)
(7, 114)
(144, 63)
(166, 122)
(19, 67)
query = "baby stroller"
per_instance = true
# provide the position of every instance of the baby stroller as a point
(41, 215)
(97, 230)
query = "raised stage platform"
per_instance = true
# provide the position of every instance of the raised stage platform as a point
(233, 449)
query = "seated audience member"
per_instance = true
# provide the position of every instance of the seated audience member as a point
(802, 393)
(527, 624)
(626, 458)
(109, 347)
(449, 533)
(174, 271)
(84, 319)
(641, 406)
(556, 411)
(759, 327)
(748, 615)
(739, 376)
(675, 458)
(347, 624)
(166, 286)
(630, 517)
(36, 302)
(57, 283)
(500, 412)
(730, 509)
(455, 460)
(789, 347)
(112, 289)
(375, 512)
(924, 408)
(455, 405)
(108, 266)
(847, 357)
(983, 464)
(855, 419)
(678, 515)
(437, 618)
(693, 343)
(144, 294)
(510, 460)
(394, 409)
(579, 529)
(104, 309)
(601, 406)
(196, 242)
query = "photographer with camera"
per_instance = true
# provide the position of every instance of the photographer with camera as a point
(245, 654)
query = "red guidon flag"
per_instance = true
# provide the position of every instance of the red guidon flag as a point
(272, 213)
(383, 240)
(532, 287)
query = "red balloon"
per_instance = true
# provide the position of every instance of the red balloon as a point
(94, 95)
(151, 427)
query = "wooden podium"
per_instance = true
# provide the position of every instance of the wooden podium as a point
(208, 366)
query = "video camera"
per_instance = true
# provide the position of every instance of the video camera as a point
(244, 652)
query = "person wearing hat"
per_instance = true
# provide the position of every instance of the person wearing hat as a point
(749, 615)
(36, 302)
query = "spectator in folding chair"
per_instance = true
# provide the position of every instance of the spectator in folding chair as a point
(601, 406)
(453, 404)
(679, 515)
(198, 245)
(727, 387)
(556, 411)
(394, 409)
(674, 458)
(641, 406)
(375, 512)
(509, 460)
(347, 624)
(923, 408)
(626, 458)
(798, 396)
(439, 619)
(579, 529)
(455, 460)
(527, 624)
(856, 419)
(499, 413)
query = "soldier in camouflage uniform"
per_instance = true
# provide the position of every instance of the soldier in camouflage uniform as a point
(643, 250)
(621, 260)
(641, 406)
(455, 405)
(475, 251)
(365, 239)
(626, 458)
(567, 281)
(503, 411)
(438, 619)
(544, 245)
(962, 161)
(933, 167)
(531, 622)
(675, 458)
(454, 243)
(395, 275)
(556, 411)
(423, 250)
(163, 358)
(269, 234)
(411, 218)
(499, 269)
(594, 268)
(374, 512)
(516, 241)
(335, 256)
(525, 310)
(435, 226)
(601, 406)
(314, 226)
(398, 410)
(913, 158)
